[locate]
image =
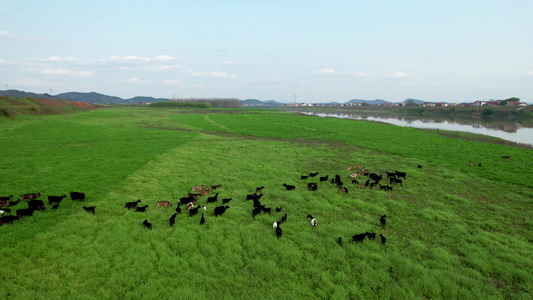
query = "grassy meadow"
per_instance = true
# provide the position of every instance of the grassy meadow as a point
(455, 231)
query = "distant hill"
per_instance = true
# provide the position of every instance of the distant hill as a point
(255, 102)
(371, 102)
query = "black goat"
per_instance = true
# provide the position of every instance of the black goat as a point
(36, 204)
(202, 220)
(141, 208)
(194, 211)
(132, 204)
(419, 167)
(278, 209)
(147, 224)
(185, 200)
(312, 186)
(257, 210)
(339, 241)
(284, 218)
(400, 174)
(258, 189)
(324, 178)
(371, 235)
(219, 210)
(257, 203)
(266, 209)
(56, 199)
(178, 209)
(226, 201)
(89, 209)
(383, 221)
(383, 239)
(212, 199)
(9, 219)
(216, 186)
(313, 174)
(56, 206)
(279, 232)
(289, 187)
(77, 196)
(254, 196)
(359, 237)
(304, 176)
(172, 219)
(13, 203)
(25, 212)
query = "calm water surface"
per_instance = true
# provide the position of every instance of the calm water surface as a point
(508, 131)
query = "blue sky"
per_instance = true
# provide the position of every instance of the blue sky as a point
(311, 51)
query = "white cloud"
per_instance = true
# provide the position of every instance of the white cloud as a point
(213, 75)
(326, 71)
(165, 58)
(65, 72)
(228, 62)
(27, 81)
(529, 72)
(4, 33)
(400, 74)
(172, 81)
(128, 59)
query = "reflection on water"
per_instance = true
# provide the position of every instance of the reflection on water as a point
(510, 131)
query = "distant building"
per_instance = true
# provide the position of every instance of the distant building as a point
(479, 103)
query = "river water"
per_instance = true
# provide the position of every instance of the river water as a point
(509, 131)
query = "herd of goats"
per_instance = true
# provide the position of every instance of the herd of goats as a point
(371, 180)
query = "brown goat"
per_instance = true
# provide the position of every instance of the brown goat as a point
(206, 192)
(198, 187)
(163, 203)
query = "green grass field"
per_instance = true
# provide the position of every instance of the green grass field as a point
(454, 230)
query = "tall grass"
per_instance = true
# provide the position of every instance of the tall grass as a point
(453, 232)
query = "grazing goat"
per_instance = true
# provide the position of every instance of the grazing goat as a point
(77, 196)
(257, 210)
(258, 189)
(391, 174)
(284, 218)
(339, 241)
(359, 237)
(13, 203)
(313, 174)
(257, 203)
(141, 208)
(400, 174)
(194, 211)
(147, 224)
(172, 219)
(89, 209)
(383, 239)
(266, 209)
(278, 209)
(212, 199)
(185, 200)
(9, 219)
(419, 167)
(202, 220)
(313, 220)
(506, 157)
(216, 186)
(5, 198)
(312, 186)
(193, 195)
(190, 205)
(354, 181)
(226, 201)
(198, 187)
(56, 206)
(289, 187)
(163, 203)
(304, 176)
(254, 196)
(219, 210)
(324, 178)
(383, 221)
(36, 204)
(279, 232)
(396, 181)
(178, 209)
(30, 196)
(371, 235)
(206, 192)
(56, 199)
(132, 204)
